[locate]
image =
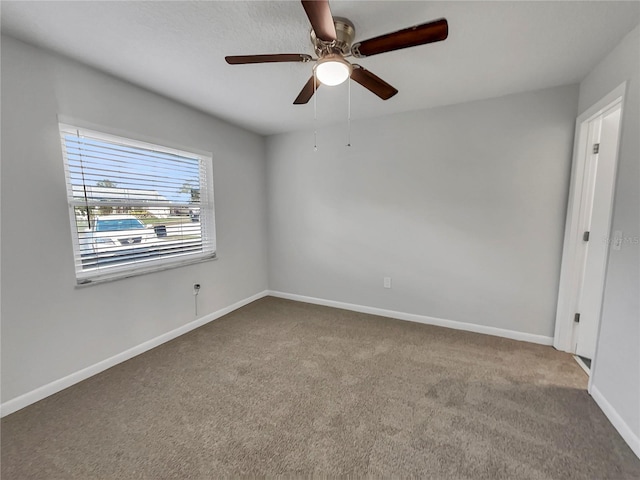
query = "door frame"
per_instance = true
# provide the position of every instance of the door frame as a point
(572, 255)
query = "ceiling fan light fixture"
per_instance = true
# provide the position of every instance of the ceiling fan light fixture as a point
(332, 70)
(332, 40)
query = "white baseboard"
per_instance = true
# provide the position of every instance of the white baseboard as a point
(616, 420)
(469, 327)
(44, 391)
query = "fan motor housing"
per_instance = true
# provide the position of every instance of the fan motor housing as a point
(345, 33)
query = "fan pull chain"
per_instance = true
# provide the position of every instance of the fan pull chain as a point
(315, 114)
(349, 115)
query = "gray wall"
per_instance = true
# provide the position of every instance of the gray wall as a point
(463, 206)
(50, 328)
(617, 368)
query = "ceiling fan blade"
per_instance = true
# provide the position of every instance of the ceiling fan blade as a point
(307, 92)
(279, 57)
(372, 82)
(435, 31)
(321, 19)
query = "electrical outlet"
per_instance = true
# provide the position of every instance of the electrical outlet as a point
(617, 240)
(387, 282)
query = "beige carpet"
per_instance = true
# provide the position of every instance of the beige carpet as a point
(286, 388)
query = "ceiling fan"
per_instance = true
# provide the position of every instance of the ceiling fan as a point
(332, 38)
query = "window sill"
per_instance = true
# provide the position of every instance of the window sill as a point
(142, 270)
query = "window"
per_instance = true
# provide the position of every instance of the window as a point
(135, 207)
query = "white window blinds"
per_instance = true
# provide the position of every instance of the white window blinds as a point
(134, 206)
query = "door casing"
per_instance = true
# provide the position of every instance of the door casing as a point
(574, 250)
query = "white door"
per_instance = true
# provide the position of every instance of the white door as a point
(597, 199)
(589, 210)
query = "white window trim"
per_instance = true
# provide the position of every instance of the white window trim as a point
(152, 265)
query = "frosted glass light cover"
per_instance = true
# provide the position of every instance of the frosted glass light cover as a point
(332, 72)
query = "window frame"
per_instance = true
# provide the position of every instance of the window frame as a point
(127, 270)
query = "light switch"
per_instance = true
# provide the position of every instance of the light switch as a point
(387, 282)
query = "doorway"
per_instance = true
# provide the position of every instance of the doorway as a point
(587, 242)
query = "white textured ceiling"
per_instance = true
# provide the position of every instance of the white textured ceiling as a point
(177, 49)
